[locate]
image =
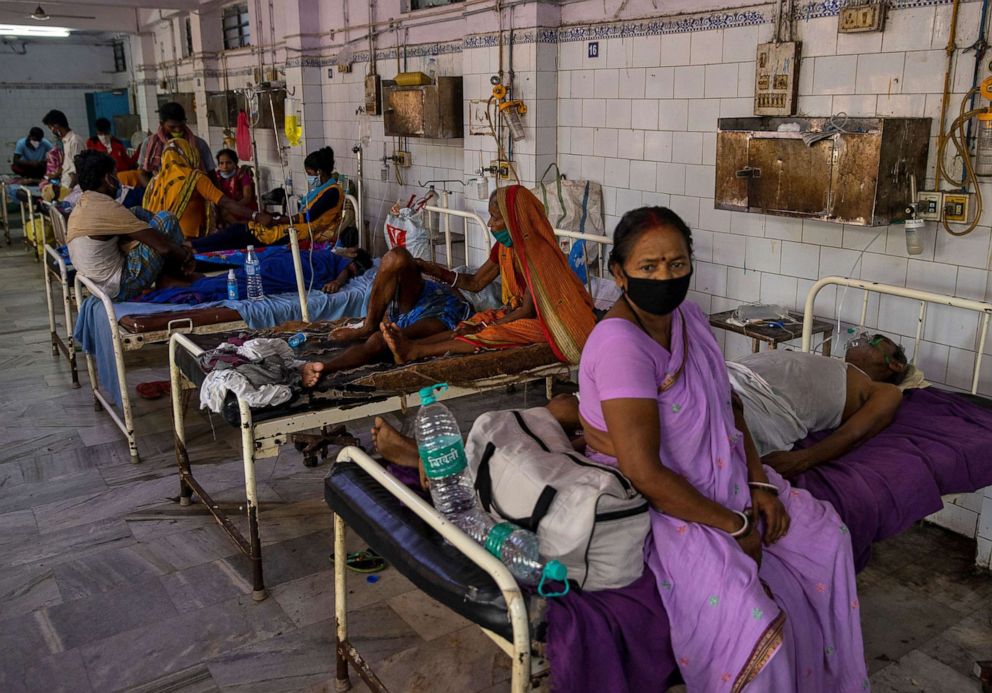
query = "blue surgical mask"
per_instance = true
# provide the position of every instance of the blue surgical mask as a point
(503, 237)
(313, 182)
(227, 174)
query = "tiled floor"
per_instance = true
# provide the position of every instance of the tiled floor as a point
(106, 583)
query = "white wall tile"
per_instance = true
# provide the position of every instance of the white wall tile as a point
(972, 283)
(699, 182)
(593, 113)
(834, 74)
(583, 84)
(763, 254)
(582, 140)
(658, 145)
(630, 144)
(819, 36)
(627, 200)
(901, 105)
(675, 49)
(721, 81)
(800, 260)
(671, 178)
(955, 327)
(709, 148)
(702, 243)
(709, 218)
(617, 51)
(779, 290)
(659, 82)
(593, 168)
(784, 228)
(673, 114)
(632, 83)
(871, 238)
(570, 112)
(814, 106)
(690, 82)
(687, 208)
(618, 113)
(644, 114)
(643, 175)
(971, 250)
(607, 84)
(687, 148)
(924, 72)
(616, 172)
(740, 44)
(747, 224)
(736, 108)
(932, 276)
(710, 278)
(822, 232)
(646, 51)
(743, 286)
(605, 142)
(852, 44)
(907, 29)
(884, 269)
(880, 73)
(855, 104)
(706, 47)
(838, 262)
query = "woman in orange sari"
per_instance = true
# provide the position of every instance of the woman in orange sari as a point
(543, 299)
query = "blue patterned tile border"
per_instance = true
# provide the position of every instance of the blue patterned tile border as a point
(87, 86)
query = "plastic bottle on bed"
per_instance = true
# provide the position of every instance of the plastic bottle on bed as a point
(253, 272)
(442, 452)
(232, 286)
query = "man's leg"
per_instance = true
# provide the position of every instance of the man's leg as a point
(143, 266)
(398, 279)
(371, 350)
(234, 237)
(406, 349)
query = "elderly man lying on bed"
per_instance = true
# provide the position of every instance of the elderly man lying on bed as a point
(123, 252)
(786, 395)
(543, 299)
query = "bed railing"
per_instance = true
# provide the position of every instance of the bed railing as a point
(924, 298)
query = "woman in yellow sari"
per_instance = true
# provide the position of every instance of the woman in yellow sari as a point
(543, 299)
(181, 188)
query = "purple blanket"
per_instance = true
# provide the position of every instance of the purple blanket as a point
(937, 444)
(617, 640)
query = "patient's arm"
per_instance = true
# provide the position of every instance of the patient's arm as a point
(476, 281)
(524, 312)
(878, 405)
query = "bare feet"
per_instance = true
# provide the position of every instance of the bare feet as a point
(402, 348)
(393, 445)
(312, 372)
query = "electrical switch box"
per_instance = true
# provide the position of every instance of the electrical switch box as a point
(403, 159)
(956, 208)
(373, 94)
(929, 205)
(860, 17)
(861, 175)
(776, 78)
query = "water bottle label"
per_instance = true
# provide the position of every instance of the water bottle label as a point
(444, 461)
(497, 536)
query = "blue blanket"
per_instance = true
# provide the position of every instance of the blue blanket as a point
(278, 277)
(92, 330)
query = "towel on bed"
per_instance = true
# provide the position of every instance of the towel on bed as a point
(278, 276)
(937, 444)
(92, 330)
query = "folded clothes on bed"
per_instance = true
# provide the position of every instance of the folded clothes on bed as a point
(937, 444)
(278, 276)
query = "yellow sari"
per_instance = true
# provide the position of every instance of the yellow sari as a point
(564, 309)
(174, 187)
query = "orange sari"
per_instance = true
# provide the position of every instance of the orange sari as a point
(564, 309)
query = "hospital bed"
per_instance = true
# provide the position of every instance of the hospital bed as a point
(453, 569)
(263, 431)
(4, 214)
(136, 331)
(58, 272)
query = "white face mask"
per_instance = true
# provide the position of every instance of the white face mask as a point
(227, 174)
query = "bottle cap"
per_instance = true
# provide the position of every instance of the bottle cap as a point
(555, 570)
(230, 274)
(251, 247)
(428, 395)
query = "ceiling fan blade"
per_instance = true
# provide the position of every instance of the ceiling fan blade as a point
(71, 16)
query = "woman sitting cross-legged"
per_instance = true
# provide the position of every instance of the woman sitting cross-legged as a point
(756, 576)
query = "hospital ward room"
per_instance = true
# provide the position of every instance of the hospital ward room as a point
(464, 346)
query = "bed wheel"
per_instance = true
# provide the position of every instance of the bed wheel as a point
(342, 686)
(259, 595)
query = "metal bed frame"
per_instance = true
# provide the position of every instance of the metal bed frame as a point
(124, 341)
(984, 517)
(59, 276)
(262, 439)
(4, 219)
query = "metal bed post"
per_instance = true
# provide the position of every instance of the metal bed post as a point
(127, 423)
(179, 424)
(3, 211)
(251, 491)
(51, 308)
(519, 649)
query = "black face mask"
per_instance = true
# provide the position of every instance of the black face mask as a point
(657, 296)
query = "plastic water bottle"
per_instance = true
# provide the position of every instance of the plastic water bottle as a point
(232, 286)
(297, 340)
(253, 270)
(442, 452)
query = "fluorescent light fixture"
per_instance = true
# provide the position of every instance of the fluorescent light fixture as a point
(34, 31)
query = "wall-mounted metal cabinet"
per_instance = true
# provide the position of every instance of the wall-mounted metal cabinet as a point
(186, 99)
(223, 108)
(433, 111)
(859, 176)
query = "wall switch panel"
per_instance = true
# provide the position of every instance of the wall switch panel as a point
(776, 79)
(930, 205)
(859, 17)
(956, 207)
(403, 159)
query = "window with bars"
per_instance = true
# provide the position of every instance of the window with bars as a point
(411, 5)
(120, 58)
(235, 24)
(187, 38)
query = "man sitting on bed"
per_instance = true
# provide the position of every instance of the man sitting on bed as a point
(544, 302)
(123, 252)
(786, 395)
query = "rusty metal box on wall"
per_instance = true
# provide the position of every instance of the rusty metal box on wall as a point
(858, 175)
(432, 110)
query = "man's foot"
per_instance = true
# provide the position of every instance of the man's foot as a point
(402, 348)
(312, 372)
(350, 334)
(393, 445)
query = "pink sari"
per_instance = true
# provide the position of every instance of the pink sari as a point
(792, 624)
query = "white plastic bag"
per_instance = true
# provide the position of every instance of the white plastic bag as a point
(405, 229)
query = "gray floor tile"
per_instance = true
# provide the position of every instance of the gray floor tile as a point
(63, 672)
(25, 589)
(918, 673)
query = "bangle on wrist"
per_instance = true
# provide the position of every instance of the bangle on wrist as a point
(454, 281)
(763, 486)
(745, 528)
(254, 215)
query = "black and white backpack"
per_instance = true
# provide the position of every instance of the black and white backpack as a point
(586, 515)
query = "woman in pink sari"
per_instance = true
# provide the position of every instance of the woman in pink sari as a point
(756, 576)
